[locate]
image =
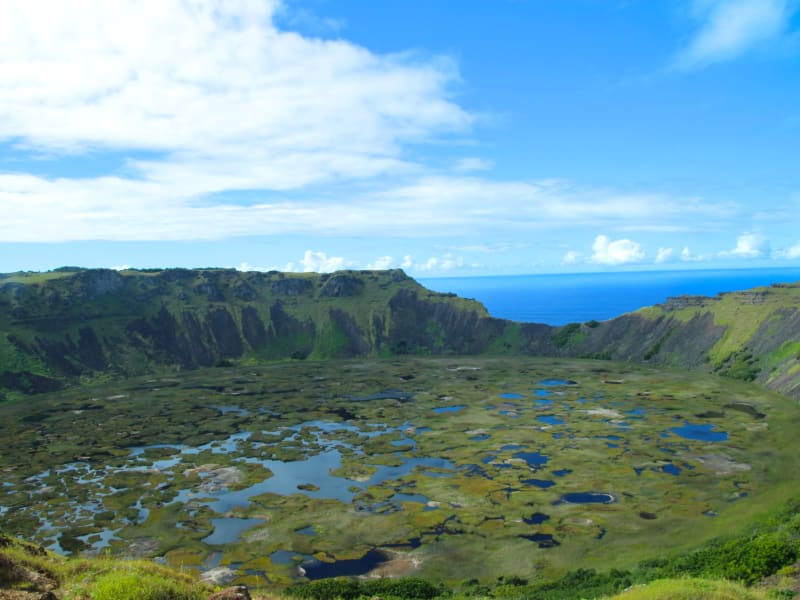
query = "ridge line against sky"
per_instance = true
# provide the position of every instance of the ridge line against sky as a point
(444, 138)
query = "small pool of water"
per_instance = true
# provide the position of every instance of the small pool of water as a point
(315, 569)
(534, 459)
(588, 498)
(544, 540)
(549, 419)
(228, 529)
(700, 432)
(552, 382)
(284, 557)
(307, 530)
(671, 469)
(449, 409)
(511, 396)
(536, 518)
(387, 395)
(540, 483)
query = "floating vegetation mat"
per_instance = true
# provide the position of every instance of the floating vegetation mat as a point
(447, 468)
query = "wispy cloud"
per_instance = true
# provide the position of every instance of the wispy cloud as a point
(664, 255)
(318, 262)
(791, 252)
(730, 28)
(381, 263)
(473, 163)
(114, 208)
(230, 100)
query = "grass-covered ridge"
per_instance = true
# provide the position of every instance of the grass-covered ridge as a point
(76, 324)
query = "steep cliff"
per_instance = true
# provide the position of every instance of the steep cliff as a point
(752, 335)
(60, 326)
(70, 323)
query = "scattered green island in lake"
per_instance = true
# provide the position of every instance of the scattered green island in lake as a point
(497, 472)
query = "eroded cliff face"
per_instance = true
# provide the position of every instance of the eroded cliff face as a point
(59, 326)
(753, 335)
(64, 325)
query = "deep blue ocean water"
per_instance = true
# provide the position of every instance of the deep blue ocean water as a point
(568, 298)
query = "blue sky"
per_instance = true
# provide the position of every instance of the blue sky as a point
(444, 137)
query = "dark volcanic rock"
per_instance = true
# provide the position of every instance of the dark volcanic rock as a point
(292, 286)
(225, 332)
(253, 328)
(96, 282)
(341, 285)
(357, 345)
(211, 291)
(238, 592)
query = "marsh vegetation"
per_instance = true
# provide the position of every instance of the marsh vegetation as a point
(441, 468)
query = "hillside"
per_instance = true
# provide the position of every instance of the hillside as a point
(75, 323)
(752, 335)
(72, 323)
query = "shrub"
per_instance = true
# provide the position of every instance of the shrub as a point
(327, 589)
(408, 588)
(411, 588)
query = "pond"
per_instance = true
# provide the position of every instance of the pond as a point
(534, 459)
(228, 529)
(449, 409)
(316, 569)
(536, 518)
(700, 432)
(549, 419)
(587, 498)
(540, 483)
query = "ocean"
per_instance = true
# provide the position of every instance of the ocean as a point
(577, 297)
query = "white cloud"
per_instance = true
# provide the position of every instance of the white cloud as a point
(664, 255)
(616, 252)
(204, 98)
(318, 262)
(732, 27)
(36, 209)
(245, 266)
(407, 263)
(382, 263)
(688, 256)
(229, 99)
(445, 262)
(788, 253)
(571, 258)
(749, 245)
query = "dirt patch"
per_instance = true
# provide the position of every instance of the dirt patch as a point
(721, 464)
(400, 564)
(215, 477)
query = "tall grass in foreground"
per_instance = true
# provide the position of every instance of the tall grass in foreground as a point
(692, 589)
(106, 579)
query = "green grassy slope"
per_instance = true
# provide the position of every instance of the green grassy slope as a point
(752, 335)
